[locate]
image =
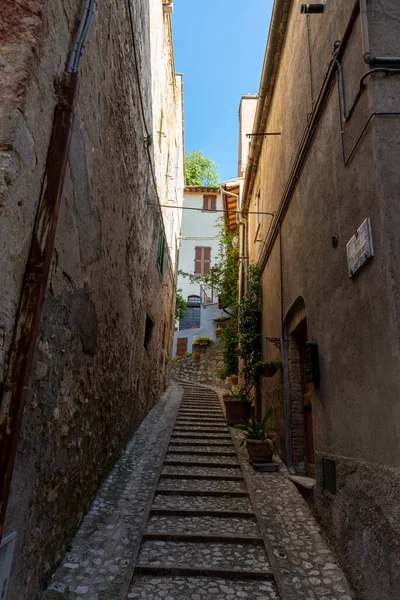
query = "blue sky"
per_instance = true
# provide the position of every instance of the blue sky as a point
(219, 48)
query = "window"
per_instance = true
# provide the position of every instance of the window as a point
(161, 249)
(194, 299)
(192, 318)
(148, 333)
(209, 202)
(202, 260)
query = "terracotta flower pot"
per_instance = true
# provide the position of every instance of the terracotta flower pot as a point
(237, 411)
(218, 332)
(234, 379)
(196, 356)
(260, 450)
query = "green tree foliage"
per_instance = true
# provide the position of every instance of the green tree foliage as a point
(200, 170)
(180, 306)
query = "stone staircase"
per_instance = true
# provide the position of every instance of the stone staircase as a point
(202, 540)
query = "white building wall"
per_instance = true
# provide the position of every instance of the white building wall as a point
(199, 228)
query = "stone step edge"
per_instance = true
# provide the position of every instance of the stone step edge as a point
(194, 538)
(197, 476)
(187, 512)
(210, 465)
(203, 452)
(202, 493)
(212, 572)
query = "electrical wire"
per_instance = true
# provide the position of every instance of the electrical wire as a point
(221, 210)
(81, 37)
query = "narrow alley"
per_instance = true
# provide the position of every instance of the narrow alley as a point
(183, 516)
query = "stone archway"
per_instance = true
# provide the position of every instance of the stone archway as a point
(298, 394)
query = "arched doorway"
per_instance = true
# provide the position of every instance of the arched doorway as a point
(301, 394)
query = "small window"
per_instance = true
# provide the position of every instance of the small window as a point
(202, 260)
(161, 249)
(148, 334)
(209, 202)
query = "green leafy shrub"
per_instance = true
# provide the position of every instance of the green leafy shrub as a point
(202, 340)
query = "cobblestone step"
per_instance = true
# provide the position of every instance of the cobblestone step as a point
(190, 445)
(200, 429)
(199, 556)
(206, 473)
(183, 489)
(201, 525)
(222, 503)
(201, 452)
(204, 538)
(199, 436)
(199, 473)
(209, 464)
(200, 588)
(195, 512)
(210, 459)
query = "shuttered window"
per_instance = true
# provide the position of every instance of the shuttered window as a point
(181, 346)
(202, 260)
(209, 202)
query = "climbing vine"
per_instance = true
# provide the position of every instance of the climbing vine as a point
(249, 329)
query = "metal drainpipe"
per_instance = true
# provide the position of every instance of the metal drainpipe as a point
(37, 270)
(376, 60)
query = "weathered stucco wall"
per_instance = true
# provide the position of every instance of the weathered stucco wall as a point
(93, 380)
(354, 321)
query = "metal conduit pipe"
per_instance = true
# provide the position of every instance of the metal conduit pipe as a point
(367, 56)
(37, 270)
(81, 36)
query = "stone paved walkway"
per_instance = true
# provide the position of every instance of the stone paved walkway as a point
(192, 520)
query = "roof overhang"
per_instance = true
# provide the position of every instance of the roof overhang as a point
(231, 202)
(201, 189)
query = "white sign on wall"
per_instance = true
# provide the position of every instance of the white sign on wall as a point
(360, 249)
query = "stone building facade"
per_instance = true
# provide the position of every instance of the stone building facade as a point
(106, 331)
(330, 90)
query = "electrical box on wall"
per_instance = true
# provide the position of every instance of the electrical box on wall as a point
(311, 362)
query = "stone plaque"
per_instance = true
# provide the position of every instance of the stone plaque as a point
(360, 249)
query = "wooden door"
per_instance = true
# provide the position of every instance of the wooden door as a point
(308, 394)
(181, 346)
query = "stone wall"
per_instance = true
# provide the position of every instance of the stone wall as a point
(93, 379)
(206, 370)
(354, 322)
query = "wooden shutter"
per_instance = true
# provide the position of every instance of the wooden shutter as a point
(209, 202)
(206, 260)
(202, 260)
(181, 346)
(198, 254)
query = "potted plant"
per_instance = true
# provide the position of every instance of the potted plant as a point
(234, 379)
(257, 435)
(237, 407)
(196, 356)
(268, 368)
(218, 331)
(202, 340)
